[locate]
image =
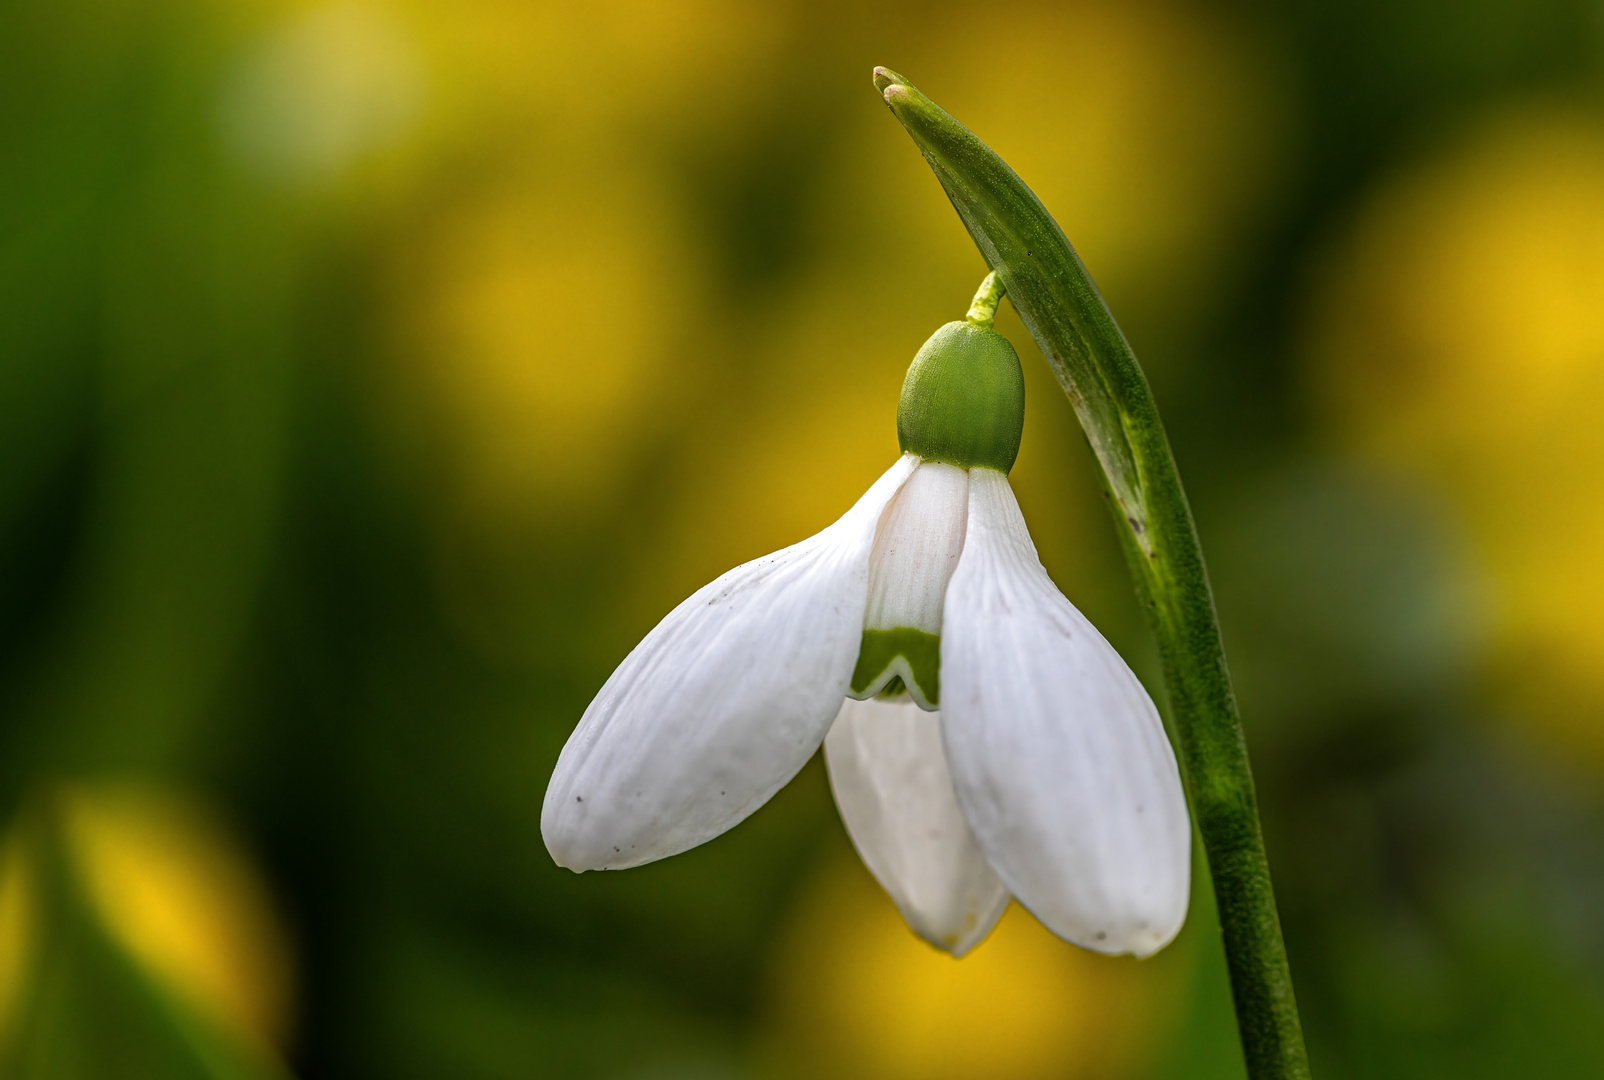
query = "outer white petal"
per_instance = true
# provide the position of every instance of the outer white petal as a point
(890, 779)
(720, 705)
(1058, 756)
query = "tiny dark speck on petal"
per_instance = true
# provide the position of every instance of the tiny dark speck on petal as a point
(578, 799)
(1101, 936)
(615, 849)
(721, 793)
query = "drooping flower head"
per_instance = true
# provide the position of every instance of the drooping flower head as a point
(983, 740)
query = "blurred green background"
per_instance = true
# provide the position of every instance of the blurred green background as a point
(374, 374)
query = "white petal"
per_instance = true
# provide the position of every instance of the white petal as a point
(720, 705)
(1058, 756)
(916, 549)
(890, 779)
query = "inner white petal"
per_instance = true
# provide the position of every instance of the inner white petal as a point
(890, 778)
(916, 549)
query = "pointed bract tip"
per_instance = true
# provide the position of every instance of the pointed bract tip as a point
(889, 83)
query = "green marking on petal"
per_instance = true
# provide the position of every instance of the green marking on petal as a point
(920, 651)
(895, 690)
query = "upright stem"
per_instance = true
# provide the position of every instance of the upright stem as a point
(1064, 312)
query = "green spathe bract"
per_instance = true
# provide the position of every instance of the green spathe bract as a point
(1061, 307)
(963, 401)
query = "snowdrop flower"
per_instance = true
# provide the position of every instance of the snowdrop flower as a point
(983, 740)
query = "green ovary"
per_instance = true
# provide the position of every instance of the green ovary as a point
(963, 400)
(921, 650)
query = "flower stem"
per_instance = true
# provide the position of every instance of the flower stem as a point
(1064, 312)
(983, 308)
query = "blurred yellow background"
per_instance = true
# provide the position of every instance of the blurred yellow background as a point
(374, 374)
